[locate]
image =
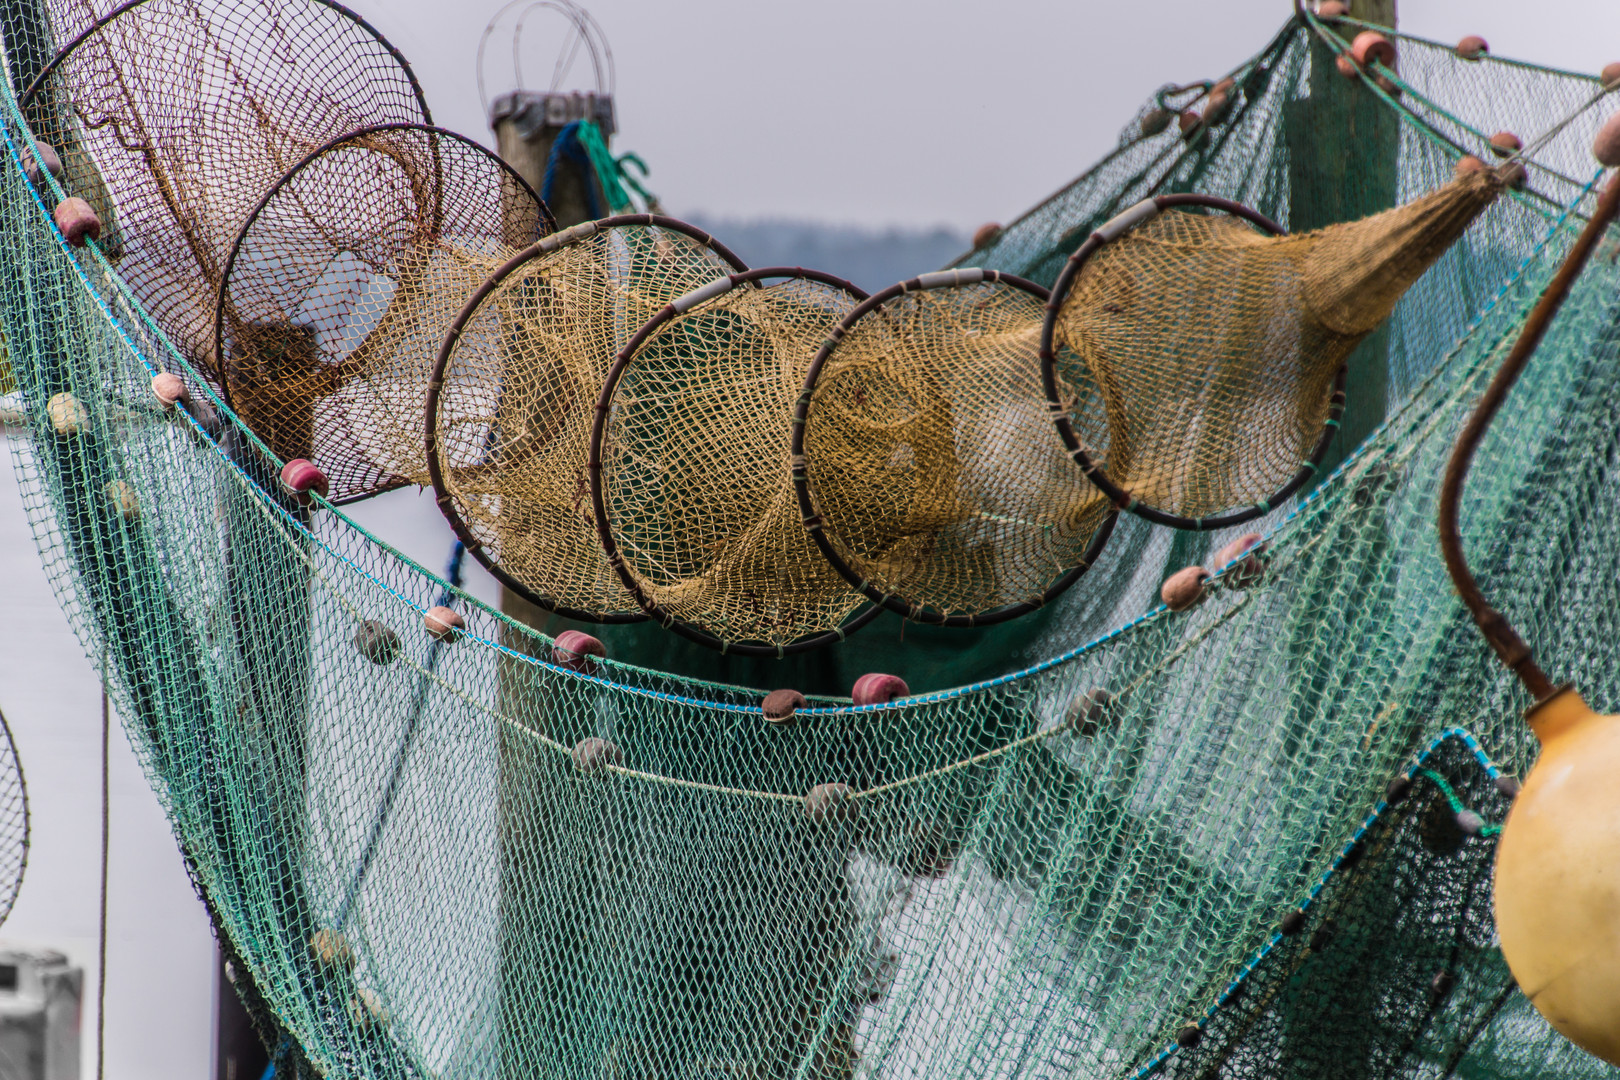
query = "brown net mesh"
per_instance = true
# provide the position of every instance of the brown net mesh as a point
(337, 291)
(691, 470)
(1201, 354)
(928, 467)
(509, 422)
(173, 118)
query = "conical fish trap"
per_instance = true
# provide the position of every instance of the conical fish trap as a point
(336, 292)
(924, 459)
(1190, 359)
(173, 118)
(510, 404)
(690, 465)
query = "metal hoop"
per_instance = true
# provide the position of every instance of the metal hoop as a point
(604, 526)
(436, 474)
(434, 133)
(815, 522)
(1105, 234)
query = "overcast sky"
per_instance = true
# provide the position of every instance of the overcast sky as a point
(907, 111)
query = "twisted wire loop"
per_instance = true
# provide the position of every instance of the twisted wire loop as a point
(690, 473)
(1194, 365)
(925, 464)
(510, 399)
(336, 291)
(173, 118)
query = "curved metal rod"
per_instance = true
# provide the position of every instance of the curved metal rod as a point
(816, 523)
(438, 477)
(346, 12)
(604, 525)
(1493, 625)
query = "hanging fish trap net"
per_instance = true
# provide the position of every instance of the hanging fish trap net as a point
(1208, 356)
(513, 392)
(1250, 838)
(173, 118)
(689, 470)
(924, 462)
(335, 293)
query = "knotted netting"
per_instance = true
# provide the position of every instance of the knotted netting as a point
(172, 118)
(337, 288)
(924, 458)
(1196, 872)
(510, 408)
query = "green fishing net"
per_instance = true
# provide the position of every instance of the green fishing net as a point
(1104, 840)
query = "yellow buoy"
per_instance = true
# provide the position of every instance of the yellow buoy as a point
(1557, 884)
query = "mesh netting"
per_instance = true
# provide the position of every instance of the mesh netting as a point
(14, 821)
(689, 464)
(926, 461)
(336, 292)
(173, 118)
(362, 254)
(509, 422)
(1197, 378)
(625, 871)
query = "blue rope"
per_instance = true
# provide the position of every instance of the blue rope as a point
(568, 143)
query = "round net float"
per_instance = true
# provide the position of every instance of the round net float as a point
(690, 472)
(1507, 785)
(366, 1009)
(377, 642)
(1371, 47)
(780, 705)
(40, 159)
(67, 414)
(1468, 164)
(986, 234)
(184, 114)
(1332, 9)
(1190, 122)
(121, 494)
(1323, 935)
(1216, 108)
(1193, 355)
(1470, 823)
(337, 289)
(594, 755)
(1555, 890)
(924, 465)
(1396, 790)
(1610, 75)
(1387, 85)
(1606, 145)
(829, 802)
(1189, 1036)
(330, 948)
(1473, 47)
(1292, 922)
(1442, 983)
(169, 388)
(1346, 66)
(878, 689)
(510, 396)
(1155, 121)
(577, 651)
(443, 624)
(1241, 561)
(77, 221)
(1184, 588)
(300, 476)
(1506, 144)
